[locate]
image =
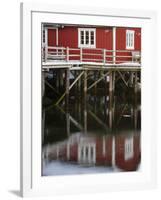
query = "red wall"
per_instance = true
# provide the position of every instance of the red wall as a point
(51, 37)
(121, 38)
(68, 37)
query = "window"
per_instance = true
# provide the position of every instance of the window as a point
(86, 37)
(130, 35)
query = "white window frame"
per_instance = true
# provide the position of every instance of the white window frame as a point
(79, 38)
(130, 39)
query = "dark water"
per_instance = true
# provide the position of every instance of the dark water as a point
(91, 135)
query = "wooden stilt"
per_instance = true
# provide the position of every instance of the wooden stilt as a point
(111, 82)
(95, 86)
(76, 85)
(113, 79)
(85, 83)
(110, 110)
(79, 86)
(135, 83)
(85, 101)
(131, 78)
(67, 79)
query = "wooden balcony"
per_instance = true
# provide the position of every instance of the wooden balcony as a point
(89, 55)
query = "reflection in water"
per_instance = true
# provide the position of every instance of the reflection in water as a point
(91, 135)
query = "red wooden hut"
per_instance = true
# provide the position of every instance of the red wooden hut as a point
(91, 43)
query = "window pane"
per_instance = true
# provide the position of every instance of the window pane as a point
(92, 37)
(132, 36)
(130, 39)
(87, 37)
(82, 37)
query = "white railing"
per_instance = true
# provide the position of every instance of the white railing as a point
(89, 55)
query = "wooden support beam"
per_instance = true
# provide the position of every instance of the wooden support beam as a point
(122, 77)
(79, 85)
(102, 77)
(67, 82)
(70, 87)
(95, 86)
(110, 110)
(111, 82)
(135, 82)
(85, 83)
(114, 79)
(131, 78)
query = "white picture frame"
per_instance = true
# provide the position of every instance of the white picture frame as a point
(32, 183)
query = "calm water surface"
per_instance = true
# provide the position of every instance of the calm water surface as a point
(91, 135)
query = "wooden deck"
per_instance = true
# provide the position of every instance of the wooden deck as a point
(129, 66)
